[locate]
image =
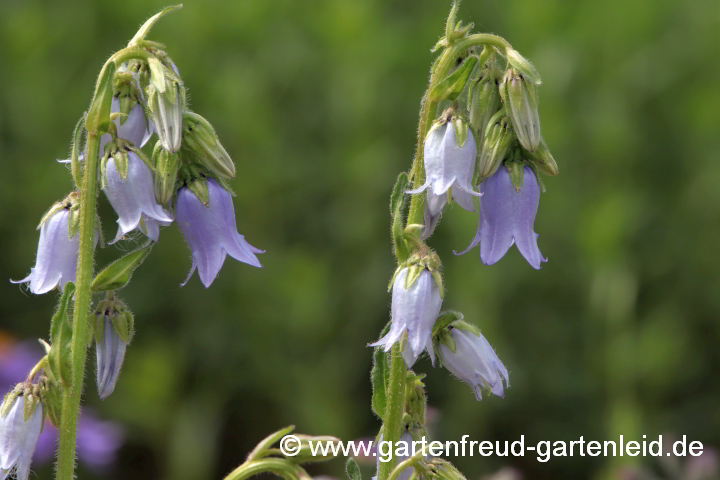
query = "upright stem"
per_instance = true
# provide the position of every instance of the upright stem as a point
(395, 407)
(398, 372)
(81, 309)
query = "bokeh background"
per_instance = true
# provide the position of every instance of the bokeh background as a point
(317, 102)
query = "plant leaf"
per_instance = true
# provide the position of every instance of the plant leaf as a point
(118, 274)
(60, 355)
(352, 469)
(453, 85)
(147, 26)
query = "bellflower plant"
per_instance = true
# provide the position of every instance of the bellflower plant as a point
(495, 155)
(20, 429)
(139, 92)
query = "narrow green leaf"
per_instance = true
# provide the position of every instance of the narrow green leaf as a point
(59, 357)
(352, 469)
(118, 274)
(147, 26)
(98, 118)
(454, 84)
(379, 377)
(77, 145)
(262, 447)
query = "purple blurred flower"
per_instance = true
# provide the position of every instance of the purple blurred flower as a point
(133, 198)
(210, 231)
(507, 216)
(414, 310)
(474, 362)
(56, 255)
(18, 439)
(447, 166)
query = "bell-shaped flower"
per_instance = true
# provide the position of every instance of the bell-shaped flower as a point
(474, 362)
(414, 309)
(449, 169)
(57, 251)
(210, 230)
(110, 348)
(18, 439)
(507, 217)
(129, 186)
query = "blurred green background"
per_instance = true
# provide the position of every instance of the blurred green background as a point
(317, 102)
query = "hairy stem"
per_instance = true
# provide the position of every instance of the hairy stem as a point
(83, 297)
(395, 407)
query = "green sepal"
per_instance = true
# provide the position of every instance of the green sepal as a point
(444, 337)
(397, 210)
(124, 324)
(157, 74)
(445, 319)
(523, 65)
(352, 470)
(468, 327)
(200, 188)
(453, 85)
(30, 404)
(77, 145)
(461, 132)
(98, 117)
(60, 354)
(517, 174)
(118, 274)
(147, 26)
(166, 166)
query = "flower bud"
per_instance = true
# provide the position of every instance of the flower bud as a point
(520, 98)
(523, 65)
(416, 300)
(483, 101)
(19, 433)
(205, 148)
(543, 160)
(114, 328)
(498, 138)
(468, 355)
(167, 165)
(166, 101)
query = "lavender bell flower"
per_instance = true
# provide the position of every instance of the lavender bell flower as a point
(133, 198)
(210, 231)
(414, 310)
(447, 166)
(507, 216)
(18, 439)
(474, 362)
(56, 254)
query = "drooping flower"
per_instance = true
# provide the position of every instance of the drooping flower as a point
(18, 439)
(110, 352)
(57, 251)
(449, 168)
(132, 195)
(474, 362)
(414, 309)
(210, 231)
(507, 217)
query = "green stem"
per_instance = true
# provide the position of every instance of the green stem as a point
(83, 297)
(395, 407)
(247, 470)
